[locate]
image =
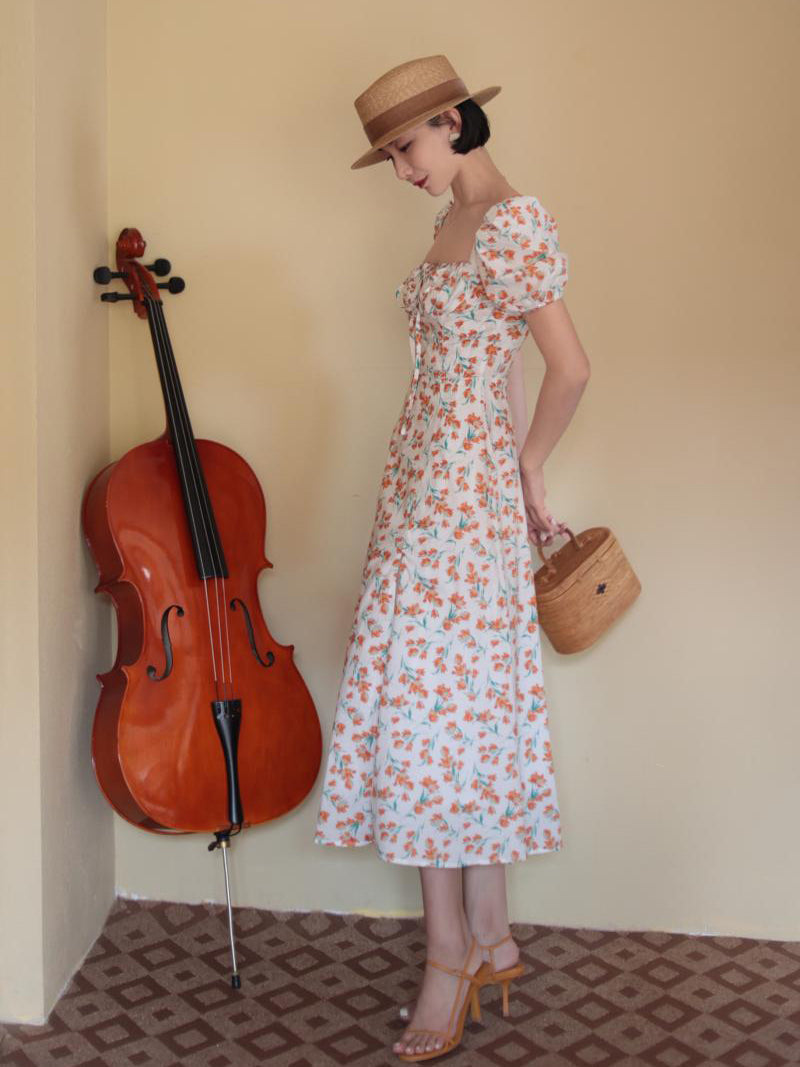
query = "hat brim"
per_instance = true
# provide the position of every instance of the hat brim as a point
(373, 155)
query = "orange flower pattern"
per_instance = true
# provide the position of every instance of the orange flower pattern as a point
(440, 748)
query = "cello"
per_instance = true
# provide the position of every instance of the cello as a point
(204, 723)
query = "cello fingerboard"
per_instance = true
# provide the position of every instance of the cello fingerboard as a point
(208, 552)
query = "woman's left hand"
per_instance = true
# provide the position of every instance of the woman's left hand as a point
(542, 527)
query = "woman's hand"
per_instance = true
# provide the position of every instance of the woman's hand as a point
(542, 527)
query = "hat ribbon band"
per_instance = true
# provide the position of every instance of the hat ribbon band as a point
(415, 105)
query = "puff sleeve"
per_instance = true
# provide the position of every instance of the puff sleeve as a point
(519, 260)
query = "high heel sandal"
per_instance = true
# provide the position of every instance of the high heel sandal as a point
(487, 974)
(452, 1037)
(506, 975)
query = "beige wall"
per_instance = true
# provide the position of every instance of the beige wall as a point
(663, 138)
(57, 879)
(21, 971)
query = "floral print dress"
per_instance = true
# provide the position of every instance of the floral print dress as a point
(440, 749)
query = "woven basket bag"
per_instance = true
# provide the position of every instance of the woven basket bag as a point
(583, 587)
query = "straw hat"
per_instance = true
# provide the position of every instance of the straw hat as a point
(406, 96)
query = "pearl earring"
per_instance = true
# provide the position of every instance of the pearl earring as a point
(454, 137)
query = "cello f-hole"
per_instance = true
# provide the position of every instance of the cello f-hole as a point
(251, 636)
(167, 643)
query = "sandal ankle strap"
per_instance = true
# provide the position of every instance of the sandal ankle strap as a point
(452, 970)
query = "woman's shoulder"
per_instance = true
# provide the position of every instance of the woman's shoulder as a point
(520, 261)
(515, 206)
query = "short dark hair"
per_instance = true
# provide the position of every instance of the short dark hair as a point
(474, 126)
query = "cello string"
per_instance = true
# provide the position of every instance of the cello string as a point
(184, 455)
(170, 402)
(204, 505)
(169, 388)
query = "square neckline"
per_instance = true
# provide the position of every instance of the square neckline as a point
(469, 262)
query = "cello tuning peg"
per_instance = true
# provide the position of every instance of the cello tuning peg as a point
(175, 285)
(102, 275)
(160, 267)
(112, 298)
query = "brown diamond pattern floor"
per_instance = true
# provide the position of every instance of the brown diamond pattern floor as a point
(321, 990)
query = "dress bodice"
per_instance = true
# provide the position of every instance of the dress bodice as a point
(466, 319)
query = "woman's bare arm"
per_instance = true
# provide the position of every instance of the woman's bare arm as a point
(565, 377)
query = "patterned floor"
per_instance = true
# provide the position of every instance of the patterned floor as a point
(320, 989)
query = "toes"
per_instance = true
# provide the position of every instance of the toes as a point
(410, 1045)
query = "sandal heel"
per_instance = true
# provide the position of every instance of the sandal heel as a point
(505, 997)
(504, 977)
(475, 1004)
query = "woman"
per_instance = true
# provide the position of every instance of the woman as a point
(440, 751)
